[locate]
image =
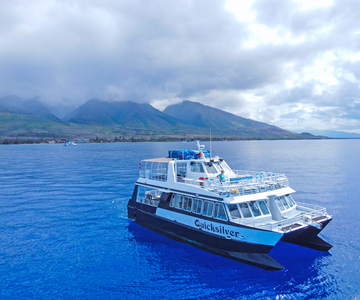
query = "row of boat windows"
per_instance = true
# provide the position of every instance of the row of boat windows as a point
(258, 208)
(198, 206)
(217, 210)
(248, 209)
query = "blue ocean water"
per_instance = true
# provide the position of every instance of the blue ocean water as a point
(64, 232)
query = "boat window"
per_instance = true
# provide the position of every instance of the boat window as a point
(210, 168)
(187, 203)
(263, 207)
(283, 201)
(172, 201)
(208, 208)
(245, 210)
(154, 170)
(217, 166)
(197, 205)
(234, 211)
(148, 196)
(290, 200)
(220, 211)
(279, 204)
(197, 167)
(225, 167)
(179, 200)
(255, 209)
(141, 194)
(181, 169)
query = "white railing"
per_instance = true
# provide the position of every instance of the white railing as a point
(158, 174)
(245, 183)
(270, 224)
(240, 183)
(155, 170)
(307, 212)
(311, 210)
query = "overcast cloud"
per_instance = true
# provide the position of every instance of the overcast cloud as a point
(294, 64)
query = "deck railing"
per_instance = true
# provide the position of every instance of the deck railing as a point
(159, 174)
(244, 183)
(307, 212)
(240, 183)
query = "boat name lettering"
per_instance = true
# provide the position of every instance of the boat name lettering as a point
(216, 229)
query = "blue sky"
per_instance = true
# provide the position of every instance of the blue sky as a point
(291, 63)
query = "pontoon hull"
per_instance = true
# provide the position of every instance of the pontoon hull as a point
(254, 254)
(308, 237)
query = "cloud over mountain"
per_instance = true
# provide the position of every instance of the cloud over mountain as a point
(291, 63)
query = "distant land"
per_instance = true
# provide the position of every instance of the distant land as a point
(130, 121)
(336, 134)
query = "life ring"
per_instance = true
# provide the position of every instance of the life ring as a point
(201, 183)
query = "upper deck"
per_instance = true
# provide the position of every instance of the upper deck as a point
(202, 174)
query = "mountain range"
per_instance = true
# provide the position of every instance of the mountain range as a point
(123, 114)
(223, 123)
(22, 117)
(16, 105)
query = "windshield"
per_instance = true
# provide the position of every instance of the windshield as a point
(215, 167)
(212, 167)
(225, 167)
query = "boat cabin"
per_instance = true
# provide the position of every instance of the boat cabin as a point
(244, 197)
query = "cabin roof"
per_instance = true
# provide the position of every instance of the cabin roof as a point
(160, 159)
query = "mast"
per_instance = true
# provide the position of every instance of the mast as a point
(210, 143)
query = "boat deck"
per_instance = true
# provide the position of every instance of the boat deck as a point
(241, 183)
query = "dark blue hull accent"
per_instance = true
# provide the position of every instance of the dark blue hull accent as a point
(255, 254)
(308, 237)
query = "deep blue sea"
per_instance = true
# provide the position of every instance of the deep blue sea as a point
(64, 232)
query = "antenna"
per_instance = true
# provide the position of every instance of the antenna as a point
(210, 143)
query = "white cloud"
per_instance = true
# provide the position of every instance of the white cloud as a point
(312, 4)
(289, 63)
(241, 9)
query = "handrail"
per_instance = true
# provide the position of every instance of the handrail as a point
(304, 217)
(241, 187)
(159, 175)
(310, 206)
(245, 183)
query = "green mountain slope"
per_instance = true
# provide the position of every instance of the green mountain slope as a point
(225, 123)
(12, 124)
(187, 120)
(35, 107)
(125, 114)
(17, 105)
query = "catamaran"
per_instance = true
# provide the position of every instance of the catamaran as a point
(241, 215)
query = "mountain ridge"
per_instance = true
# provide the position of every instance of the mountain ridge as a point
(22, 106)
(222, 122)
(103, 118)
(125, 114)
